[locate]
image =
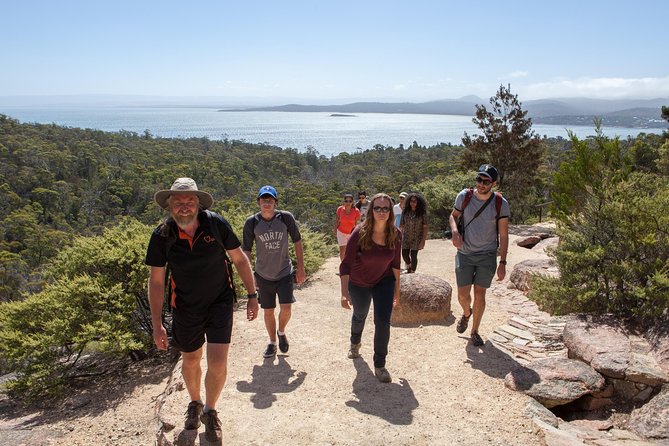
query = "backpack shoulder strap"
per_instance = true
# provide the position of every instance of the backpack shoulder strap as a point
(498, 203)
(468, 197)
(167, 230)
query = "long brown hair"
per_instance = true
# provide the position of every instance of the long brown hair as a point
(367, 228)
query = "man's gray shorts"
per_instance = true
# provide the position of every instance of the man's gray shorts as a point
(477, 269)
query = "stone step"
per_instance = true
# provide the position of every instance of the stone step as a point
(516, 332)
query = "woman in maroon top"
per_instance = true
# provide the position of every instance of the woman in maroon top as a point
(370, 271)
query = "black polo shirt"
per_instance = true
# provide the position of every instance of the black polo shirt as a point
(199, 273)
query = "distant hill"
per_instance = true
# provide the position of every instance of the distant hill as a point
(638, 113)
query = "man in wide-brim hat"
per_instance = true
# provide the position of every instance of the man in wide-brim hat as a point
(195, 243)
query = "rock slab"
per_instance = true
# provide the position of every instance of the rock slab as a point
(652, 419)
(555, 381)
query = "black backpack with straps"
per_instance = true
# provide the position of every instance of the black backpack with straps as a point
(168, 230)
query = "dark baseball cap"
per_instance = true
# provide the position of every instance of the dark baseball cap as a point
(489, 171)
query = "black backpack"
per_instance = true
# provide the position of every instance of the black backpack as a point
(168, 230)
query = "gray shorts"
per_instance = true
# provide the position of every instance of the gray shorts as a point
(477, 269)
(269, 289)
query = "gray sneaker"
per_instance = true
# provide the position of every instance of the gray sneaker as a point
(382, 374)
(212, 426)
(354, 351)
(193, 415)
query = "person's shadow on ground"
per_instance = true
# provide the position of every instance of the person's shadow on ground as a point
(394, 402)
(269, 379)
(497, 364)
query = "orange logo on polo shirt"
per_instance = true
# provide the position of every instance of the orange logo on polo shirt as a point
(209, 239)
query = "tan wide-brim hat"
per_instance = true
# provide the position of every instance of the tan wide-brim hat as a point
(183, 186)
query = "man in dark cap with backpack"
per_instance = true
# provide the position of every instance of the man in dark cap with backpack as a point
(480, 230)
(195, 243)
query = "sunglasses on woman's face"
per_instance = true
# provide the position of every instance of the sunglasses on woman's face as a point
(381, 209)
(483, 181)
(348, 201)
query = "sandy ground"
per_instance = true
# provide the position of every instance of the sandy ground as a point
(445, 391)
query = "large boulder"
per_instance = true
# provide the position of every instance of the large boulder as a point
(652, 419)
(555, 381)
(423, 299)
(521, 275)
(604, 344)
(545, 244)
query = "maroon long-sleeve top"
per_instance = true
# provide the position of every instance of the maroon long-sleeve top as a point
(366, 268)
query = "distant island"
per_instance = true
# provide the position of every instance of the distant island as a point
(341, 115)
(628, 113)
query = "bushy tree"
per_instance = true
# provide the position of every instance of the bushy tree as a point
(613, 254)
(595, 164)
(509, 143)
(440, 193)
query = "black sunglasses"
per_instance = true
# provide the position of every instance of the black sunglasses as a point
(348, 201)
(383, 209)
(483, 181)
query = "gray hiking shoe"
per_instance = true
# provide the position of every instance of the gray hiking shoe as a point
(382, 374)
(212, 426)
(193, 415)
(354, 351)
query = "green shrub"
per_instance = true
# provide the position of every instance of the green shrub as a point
(613, 254)
(95, 299)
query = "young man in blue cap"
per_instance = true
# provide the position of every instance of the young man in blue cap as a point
(269, 229)
(486, 220)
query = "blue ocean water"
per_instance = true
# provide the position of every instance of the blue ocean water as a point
(325, 133)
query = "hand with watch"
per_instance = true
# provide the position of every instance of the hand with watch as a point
(252, 306)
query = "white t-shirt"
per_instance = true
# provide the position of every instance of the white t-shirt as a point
(397, 210)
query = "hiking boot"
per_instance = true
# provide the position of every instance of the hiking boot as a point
(193, 415)
(463, 322)
(354, 351)
(476, 340)
(270, 351)
(283, 343)
(382, 374)
(212, 426)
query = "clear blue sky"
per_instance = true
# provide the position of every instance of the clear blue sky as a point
(335, 50)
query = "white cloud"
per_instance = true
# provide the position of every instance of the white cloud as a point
(518, 73)
(603, 87)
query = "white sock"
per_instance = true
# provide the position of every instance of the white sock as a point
(281, 333)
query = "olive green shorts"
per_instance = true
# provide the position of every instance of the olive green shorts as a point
(477, 269)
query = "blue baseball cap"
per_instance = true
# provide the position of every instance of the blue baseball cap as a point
(268, 190)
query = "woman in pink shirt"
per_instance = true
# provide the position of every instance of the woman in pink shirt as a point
(347, 219)
(370, 271)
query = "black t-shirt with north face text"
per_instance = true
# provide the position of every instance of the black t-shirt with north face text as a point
(199, 272)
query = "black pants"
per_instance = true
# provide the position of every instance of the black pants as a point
(410, 257)
(382, 294)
